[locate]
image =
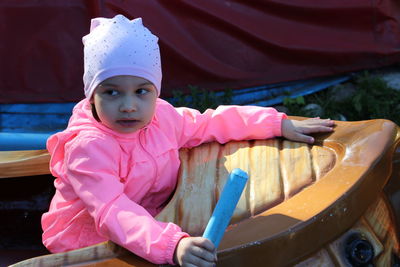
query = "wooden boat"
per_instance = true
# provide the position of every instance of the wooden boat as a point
(336, 203)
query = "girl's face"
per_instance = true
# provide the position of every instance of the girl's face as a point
(125, 103)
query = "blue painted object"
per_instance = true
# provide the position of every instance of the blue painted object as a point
(225, 206)
(27, 126)
(23, 141)
(35, 118)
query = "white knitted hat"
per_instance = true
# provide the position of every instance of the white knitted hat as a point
(120, 46)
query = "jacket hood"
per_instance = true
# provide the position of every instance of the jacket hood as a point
(82, 120)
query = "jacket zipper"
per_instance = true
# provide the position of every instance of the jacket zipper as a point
(152, 160)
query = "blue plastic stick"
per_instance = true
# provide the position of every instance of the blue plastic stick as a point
(225, 206)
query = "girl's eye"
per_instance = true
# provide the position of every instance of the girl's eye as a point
(111, 92)
(142, 91)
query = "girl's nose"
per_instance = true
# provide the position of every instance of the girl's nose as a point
(128, 105)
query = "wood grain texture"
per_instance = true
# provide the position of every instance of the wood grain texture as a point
(24, 163)
(277, 171)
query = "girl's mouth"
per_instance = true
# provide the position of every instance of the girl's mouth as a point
(128, 123)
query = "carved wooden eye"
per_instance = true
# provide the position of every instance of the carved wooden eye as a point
(359, 251)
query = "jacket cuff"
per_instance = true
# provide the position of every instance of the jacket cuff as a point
(169, 253)
(278, 123)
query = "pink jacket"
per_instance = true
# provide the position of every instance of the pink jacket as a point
(109, 186)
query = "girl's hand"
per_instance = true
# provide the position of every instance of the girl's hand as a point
(300, 130)
(195, 251)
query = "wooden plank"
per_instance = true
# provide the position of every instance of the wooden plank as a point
(24, 163)
(296, 167)
(265, 185)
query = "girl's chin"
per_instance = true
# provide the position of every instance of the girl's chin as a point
(124, 128)
(127, 129)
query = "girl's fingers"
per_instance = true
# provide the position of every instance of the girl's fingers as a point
(196, 261)
(204, 254)
(300, 130)
(312, 122)
(200, 262)
(317, 129)
(304, 138)
(205, 243)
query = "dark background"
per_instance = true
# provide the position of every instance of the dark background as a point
(212, 44)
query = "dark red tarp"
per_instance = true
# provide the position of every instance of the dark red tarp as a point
(213, 44)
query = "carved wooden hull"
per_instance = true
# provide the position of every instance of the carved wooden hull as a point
(375, 227)
(303, 205)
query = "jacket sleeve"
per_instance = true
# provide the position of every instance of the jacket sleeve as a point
(92, 170)
(227, 123)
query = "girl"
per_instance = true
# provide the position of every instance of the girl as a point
(116, 164)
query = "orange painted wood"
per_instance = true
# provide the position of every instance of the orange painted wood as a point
(24, 163)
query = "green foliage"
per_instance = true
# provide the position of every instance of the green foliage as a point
(372, 99)
(295, 102)
(201, 99)
(295, 105)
